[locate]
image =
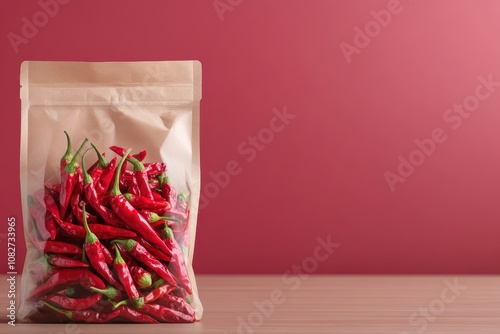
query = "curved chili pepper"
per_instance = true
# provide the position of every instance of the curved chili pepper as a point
(126, 280)
(133, 186)
(166, 314)
(121, 152)
(141, 277)
(111, 292)
(108, 170)
(132, 218)
(60, 247)
(67, 277)
(93, 198)
(153, 250)
(68, 155)
(65, 262)
(126, 256)
(155, 168)
(95, 256)
(77, 210)
(107, 255)
(140, 174)
(86, 316)
(141, 202)
(173, 213)
(168, 191)
(158, 292)
(142, 178)
(106, 178)
(176, 303)
(101, 164)
(135, 316)
(69, 179)
(73, 304)
(157, 196)
(178, 266)
(100, 230)
(142, 255)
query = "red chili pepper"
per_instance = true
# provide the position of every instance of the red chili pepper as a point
(67, 277)
(141, 277)
(157, 196)
(132, 218)
(158, 293)
(111, 292)
(93, 198)
(139, 172)
(68, 155)
(173, 213)
(65, 262)
(100, 230)
(126, 280)
(142, 255)
(168, 191)
(76, 208)
(178, 266)
(133, 186)
(142, 178)
(154, 218)
(155, 168)
(93, 251)
(129, 313)
(101, 164)
(103, 182)
(126, 256)
(121, 152)
(176, 303)
(153, 250)
(69, 179)
(166, 314)
(73, 304)
(86, 316)
(104, 305)
(54, 188)
(107, 254)
(60, 247)
(141, 202)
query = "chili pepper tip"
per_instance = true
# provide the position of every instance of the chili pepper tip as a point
(116, 187)
(102, 161)
(67, 155)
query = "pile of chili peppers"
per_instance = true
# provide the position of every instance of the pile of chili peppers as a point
(112, 240)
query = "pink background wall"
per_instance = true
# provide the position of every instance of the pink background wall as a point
(359, 105)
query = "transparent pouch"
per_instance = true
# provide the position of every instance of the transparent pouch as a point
(110, 233)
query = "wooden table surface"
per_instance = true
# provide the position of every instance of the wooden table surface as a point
(322, 304)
